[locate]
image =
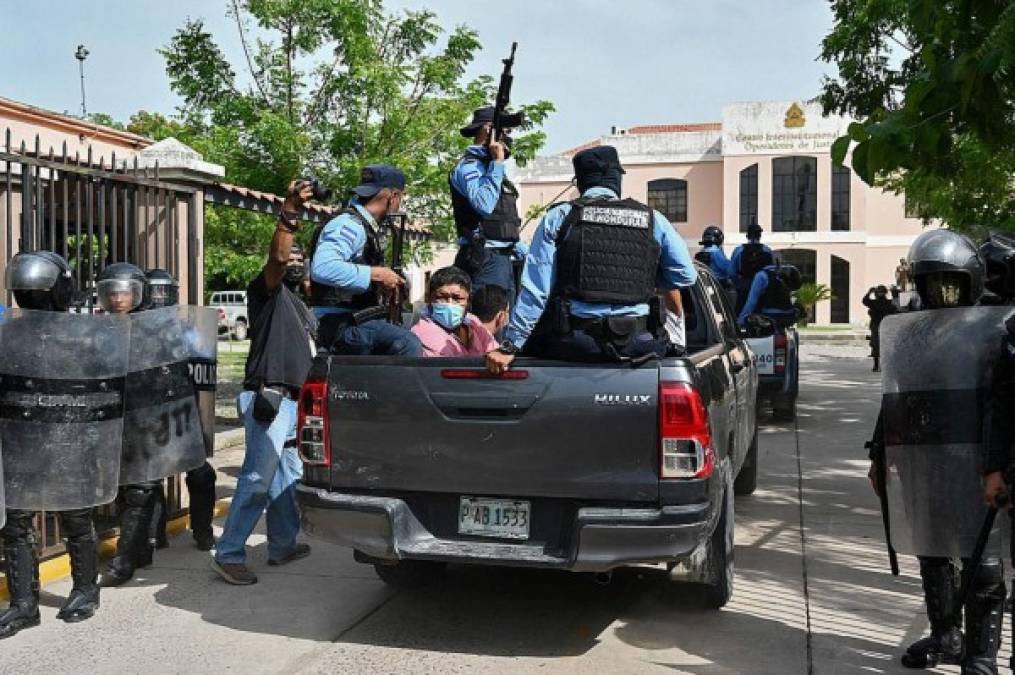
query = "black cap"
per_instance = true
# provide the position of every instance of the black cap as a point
(588, 164)
(375, 177)
(484, 115)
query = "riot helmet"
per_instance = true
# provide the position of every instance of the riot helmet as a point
(947, 269)
(998, 255)
(121, 288)
(41, 280)
(790, 277)
(163, 291)
(712, 236)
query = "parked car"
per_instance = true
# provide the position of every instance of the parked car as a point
(414, 463)
(232, 308)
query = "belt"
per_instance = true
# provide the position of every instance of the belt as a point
(602, 324)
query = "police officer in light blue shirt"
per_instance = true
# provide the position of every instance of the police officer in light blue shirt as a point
(771, 294)
(348, 276)
(712, 254)
(485, 205)
(593, 268)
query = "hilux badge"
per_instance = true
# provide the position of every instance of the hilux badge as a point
(623, 399)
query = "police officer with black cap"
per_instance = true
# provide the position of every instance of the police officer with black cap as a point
(42, 280)
(348, 276)
(485, 204)
(749, 259)
(593, 269)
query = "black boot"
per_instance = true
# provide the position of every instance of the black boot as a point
(23, 587)
(201, 485)
(984, 620)
(84, 596)
(944, 644)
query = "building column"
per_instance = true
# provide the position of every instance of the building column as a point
(823, 263)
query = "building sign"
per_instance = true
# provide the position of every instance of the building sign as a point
(779, 128)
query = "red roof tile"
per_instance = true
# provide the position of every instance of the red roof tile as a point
(675, 128)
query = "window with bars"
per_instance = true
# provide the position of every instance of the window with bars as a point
(669, 197)
(840, 197)
(748, 196)
(795, 194)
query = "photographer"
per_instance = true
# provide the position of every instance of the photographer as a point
(878, 307)
(282, 332)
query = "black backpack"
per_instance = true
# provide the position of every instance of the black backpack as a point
(754, 257)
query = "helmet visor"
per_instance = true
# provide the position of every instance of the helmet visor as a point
(31, 273)
(119, 296)
(163, 295)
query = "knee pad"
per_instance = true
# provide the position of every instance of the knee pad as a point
(18, 528)
(990, 578)
(139, 495)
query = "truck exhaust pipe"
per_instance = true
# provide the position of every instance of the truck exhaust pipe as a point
(604, 578)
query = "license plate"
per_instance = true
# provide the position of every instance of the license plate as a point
(504, 518)
(764, 349)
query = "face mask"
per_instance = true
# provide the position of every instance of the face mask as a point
(448, 316)
(294, 275)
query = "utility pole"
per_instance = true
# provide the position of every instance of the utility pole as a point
(81, 54)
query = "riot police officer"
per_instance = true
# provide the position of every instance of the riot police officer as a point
(485, 204)
(591, 273)
(878, 307)
(749, 259)
(948, 273)
(348, 274)
(711, 254)
(42, 280)
(123, 288)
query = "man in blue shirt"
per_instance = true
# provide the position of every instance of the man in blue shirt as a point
(712, 254)
(593, 268)
(485, 205)
(771, 295)
(749, 259)
(348, 276)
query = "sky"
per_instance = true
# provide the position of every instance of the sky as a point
(603, 63)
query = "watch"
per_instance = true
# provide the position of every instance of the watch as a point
(507, 347)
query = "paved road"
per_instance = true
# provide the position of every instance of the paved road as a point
(813, 594)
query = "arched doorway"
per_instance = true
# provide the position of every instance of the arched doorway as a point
(804, 259)
(840, 290)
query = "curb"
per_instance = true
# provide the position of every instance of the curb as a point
(58, 568)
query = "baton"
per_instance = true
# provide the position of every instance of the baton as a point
(1000, 501)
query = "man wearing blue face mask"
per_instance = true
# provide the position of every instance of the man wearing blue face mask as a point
(445, 327)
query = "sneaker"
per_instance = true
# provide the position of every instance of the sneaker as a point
(298, 551)
(234, 573)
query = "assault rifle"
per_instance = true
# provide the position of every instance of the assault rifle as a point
(876, 446)
(397, 221)
(503, 94)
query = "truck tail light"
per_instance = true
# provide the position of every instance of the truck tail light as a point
(315, 443)
(780, 353)
(685, 442)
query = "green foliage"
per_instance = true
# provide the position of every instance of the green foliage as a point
(933, 85)
(809, 295)
(333, 85)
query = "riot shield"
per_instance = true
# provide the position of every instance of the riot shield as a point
(162, 431)
(3, 502)
(936, 369)
(61, 408)
(204, 372)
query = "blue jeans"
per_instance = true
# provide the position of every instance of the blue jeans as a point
(267, 481)
(497, 269)
(580, 346)
(379, 338)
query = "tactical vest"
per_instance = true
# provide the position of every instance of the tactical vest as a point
(753, 259)
(501, 225)
(777, 295)
(372, 255)
(607, 252)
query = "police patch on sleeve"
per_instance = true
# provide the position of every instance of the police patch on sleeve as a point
(604, 215)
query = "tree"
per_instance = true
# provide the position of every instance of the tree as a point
(932, 83)
(333, 85)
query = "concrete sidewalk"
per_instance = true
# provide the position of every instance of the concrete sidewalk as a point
(813, 592)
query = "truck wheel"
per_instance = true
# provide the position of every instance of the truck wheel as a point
(747, 480)
(240, 329)
(410, 573)
(718, 588)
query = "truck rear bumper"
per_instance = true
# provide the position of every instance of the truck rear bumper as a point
(386, 528)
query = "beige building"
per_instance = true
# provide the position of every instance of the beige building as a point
(764, 160)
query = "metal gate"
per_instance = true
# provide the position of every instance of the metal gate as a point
(95, 212)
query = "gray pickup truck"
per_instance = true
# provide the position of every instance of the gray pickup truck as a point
(415, 463)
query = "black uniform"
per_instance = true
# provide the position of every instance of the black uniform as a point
(878, 308)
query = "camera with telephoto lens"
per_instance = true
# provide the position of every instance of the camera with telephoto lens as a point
(321, 193)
